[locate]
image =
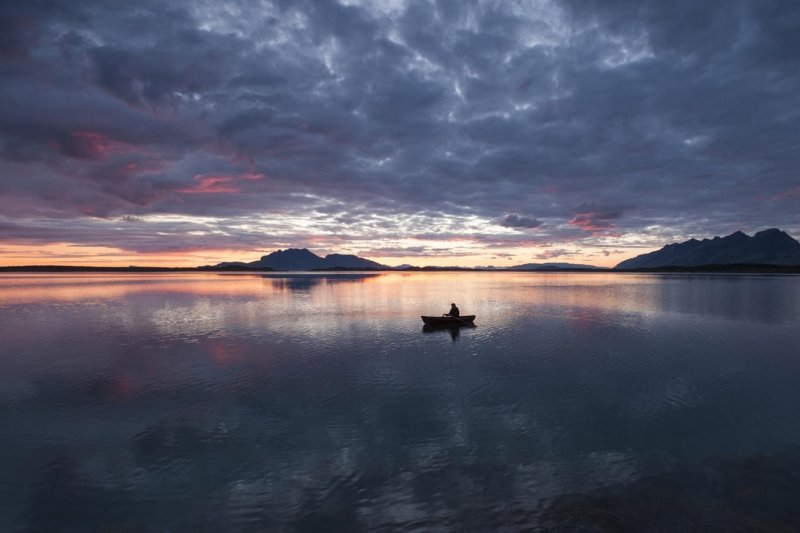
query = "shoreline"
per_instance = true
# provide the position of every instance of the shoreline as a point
(721, 269)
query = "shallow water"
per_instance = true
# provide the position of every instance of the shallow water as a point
(210, 402)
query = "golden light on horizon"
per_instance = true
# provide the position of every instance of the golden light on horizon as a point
(69, 254)
(467, 254)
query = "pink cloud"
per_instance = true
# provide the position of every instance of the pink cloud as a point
(596, 221)
(593, 222)
(789, 193)
(218, 184)
(92, 145)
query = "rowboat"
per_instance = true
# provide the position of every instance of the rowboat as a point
(448, 320)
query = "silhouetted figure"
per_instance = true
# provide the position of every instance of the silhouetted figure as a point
(454, 312)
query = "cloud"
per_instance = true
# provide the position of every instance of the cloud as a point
(589, 217)
(557, 252)
(513, 220)
(657, 121)
(611, 252)
(219, 184)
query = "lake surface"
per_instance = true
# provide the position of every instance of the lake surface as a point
(299, 402)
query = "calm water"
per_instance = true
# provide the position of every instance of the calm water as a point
(240, 402)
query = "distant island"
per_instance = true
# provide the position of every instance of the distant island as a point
(768, 251)
(303, 259)
(553, 266)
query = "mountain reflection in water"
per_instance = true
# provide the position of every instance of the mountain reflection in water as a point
(203, 401)
(306, 282)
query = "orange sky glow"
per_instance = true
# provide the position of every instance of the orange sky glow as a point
(68, 254)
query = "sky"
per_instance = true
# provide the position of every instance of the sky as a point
(448, 132)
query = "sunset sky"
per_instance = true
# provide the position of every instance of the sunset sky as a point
(426, 132)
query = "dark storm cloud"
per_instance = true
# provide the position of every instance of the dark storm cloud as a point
(669, 118)
(514, 220)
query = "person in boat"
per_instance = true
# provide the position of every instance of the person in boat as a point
(454, 312)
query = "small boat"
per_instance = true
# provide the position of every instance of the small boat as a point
(448, 320)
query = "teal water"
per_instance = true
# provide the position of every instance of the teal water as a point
(299, 402)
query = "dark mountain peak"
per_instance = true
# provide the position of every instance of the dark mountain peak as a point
(775, 239)
(349, 261)
(304, 259)
(290, 259)
(768, 247)
(292, 252)
(772, 233)
(736, 235)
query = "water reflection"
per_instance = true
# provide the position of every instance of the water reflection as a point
(453, 329)
(719, 494)
(762, 298)
(737, 297)
(74, 287)
(306, 282)
(212, 402)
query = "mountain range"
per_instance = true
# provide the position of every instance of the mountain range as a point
(304, 259)
(768, 247)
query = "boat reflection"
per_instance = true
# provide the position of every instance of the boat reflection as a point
(453, 329)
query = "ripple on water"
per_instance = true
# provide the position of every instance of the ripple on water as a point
(239, 403)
